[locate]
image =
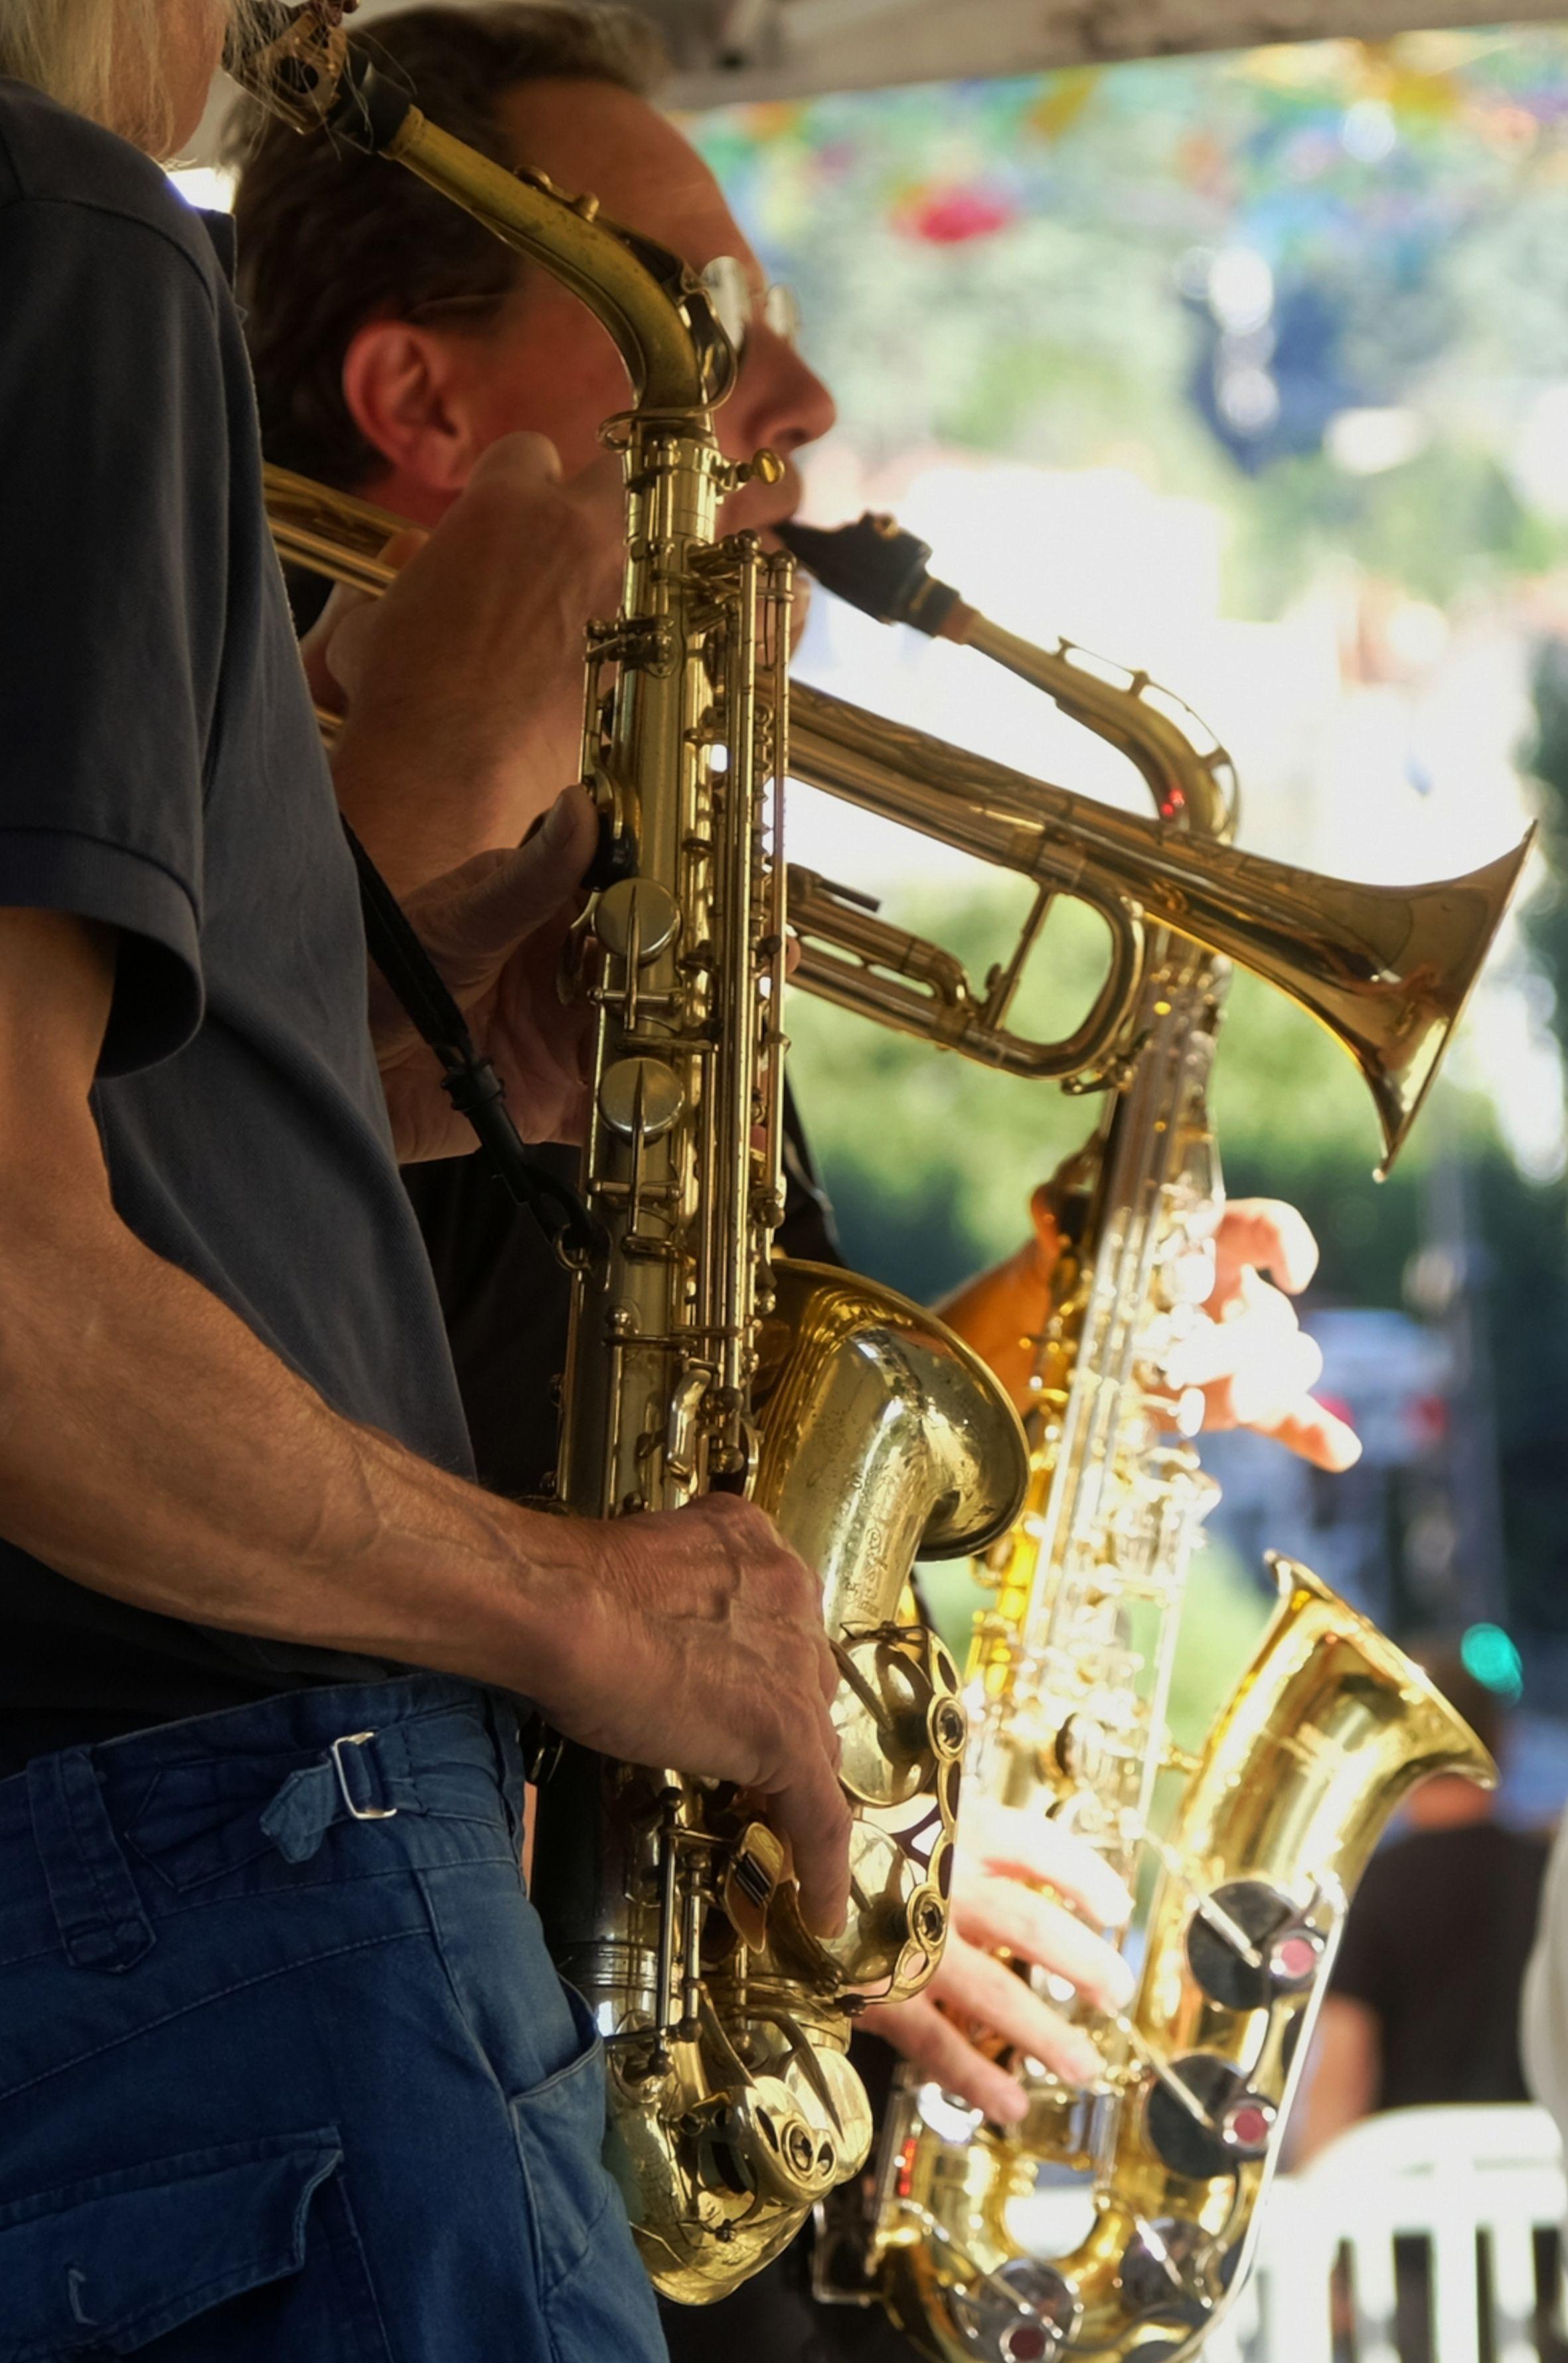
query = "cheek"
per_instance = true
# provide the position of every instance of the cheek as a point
(562, 385)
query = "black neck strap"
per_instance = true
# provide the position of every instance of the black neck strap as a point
(476, 1091)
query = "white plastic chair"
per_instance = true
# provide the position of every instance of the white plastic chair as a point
(1460, 2179)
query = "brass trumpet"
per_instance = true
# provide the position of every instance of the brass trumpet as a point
(1387, 970)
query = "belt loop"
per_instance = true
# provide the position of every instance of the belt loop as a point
(97, 1909)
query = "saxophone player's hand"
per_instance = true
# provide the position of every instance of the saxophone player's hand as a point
(694, 1637)
(1255, 1363)
(464, 684)
(1249, 1356)
(1247, 1353)
(495, 927)
(977, 2005)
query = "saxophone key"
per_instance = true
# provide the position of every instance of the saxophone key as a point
(1250, 1945)
(640, 1099)
(1203, 2118)
(636, 919)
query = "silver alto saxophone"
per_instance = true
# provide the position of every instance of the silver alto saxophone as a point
(867, 1429)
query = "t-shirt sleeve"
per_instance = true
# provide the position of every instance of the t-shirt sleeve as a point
(115, 471)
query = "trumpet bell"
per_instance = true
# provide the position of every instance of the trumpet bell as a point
(1386, 968)
(1388, 971)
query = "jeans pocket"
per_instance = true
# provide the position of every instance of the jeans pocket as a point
(247, 2253)
(596, 2297)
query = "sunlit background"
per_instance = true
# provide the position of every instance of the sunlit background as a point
(1251, 371)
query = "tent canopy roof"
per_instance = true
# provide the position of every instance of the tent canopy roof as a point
(786, 48)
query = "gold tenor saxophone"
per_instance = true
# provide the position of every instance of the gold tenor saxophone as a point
(865, 1427)
(1119, 2223)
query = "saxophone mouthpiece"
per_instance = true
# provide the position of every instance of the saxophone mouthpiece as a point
(877, 566)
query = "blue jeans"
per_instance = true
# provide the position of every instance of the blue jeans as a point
(286, 2075)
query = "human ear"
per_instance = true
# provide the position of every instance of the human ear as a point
(405, 387)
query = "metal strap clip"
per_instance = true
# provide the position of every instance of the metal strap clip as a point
(358, 1813)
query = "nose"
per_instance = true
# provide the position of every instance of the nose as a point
(779, 400)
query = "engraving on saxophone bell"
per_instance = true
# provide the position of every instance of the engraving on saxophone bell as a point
(640, 1099)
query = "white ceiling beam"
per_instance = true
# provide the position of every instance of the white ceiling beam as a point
(743, 50)
(811, 46)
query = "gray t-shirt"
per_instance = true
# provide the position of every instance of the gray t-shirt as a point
(160, 771)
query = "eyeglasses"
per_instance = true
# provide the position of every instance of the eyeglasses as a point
(740, 308)
(736, 303)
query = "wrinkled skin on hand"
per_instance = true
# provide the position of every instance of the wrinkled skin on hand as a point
(721, 1663)
(462, 686)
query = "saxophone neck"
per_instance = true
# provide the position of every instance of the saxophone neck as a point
(300, 63)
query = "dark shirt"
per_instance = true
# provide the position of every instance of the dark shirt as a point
(1436, 1943)
(160, 771)
(506, 1297)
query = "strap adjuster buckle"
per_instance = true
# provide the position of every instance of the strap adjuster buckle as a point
(358, 1813)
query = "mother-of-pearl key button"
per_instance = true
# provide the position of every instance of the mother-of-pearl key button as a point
(640, 911)
(640, 1098)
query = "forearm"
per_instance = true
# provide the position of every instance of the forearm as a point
(1343, 2075)
(1001, 1314)
(152, 1448)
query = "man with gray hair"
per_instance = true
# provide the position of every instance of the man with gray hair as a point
(287, 2074)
